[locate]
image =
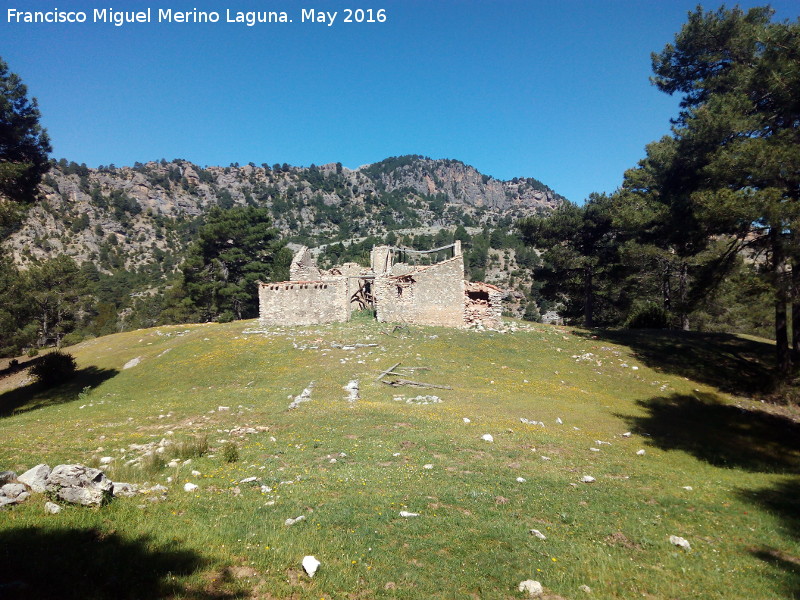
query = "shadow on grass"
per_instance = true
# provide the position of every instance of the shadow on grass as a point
(726, 361)
(783, 500)
(88, 564)
(35, 395)
(719, 433)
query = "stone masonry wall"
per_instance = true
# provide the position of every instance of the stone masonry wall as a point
(304, 302)
(483, 305)
(431, 295)
(304, 267)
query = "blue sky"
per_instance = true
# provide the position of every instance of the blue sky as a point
(558, 91)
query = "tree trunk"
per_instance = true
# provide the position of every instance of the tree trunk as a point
(795, 303)
(588, 306)
(683, 276)
(782, 338)
(783, 356)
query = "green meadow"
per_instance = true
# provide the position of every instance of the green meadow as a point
(718, 469)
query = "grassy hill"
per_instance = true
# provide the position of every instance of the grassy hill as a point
(716, 470)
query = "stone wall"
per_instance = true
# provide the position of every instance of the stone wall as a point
(431, 295)
(304, 267)
(483, 305)
(380, 259)
(304, 302)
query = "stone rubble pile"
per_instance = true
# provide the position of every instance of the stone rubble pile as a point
(74, 484)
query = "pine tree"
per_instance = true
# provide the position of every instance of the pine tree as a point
(738, 136)
(24, 146)
(235, 248)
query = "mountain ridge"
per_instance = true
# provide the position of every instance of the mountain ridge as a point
(144, 215)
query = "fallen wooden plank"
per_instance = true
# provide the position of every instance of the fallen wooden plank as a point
(387, 371)
(399, 382)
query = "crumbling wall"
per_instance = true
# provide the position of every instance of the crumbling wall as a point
(304, 302)
(483, 305)
(380, 259)
(304, 267)
(431, 295)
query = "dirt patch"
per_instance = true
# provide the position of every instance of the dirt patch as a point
(620, 539)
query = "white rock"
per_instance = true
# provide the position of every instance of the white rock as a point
(223, 408)
(626, 434)
(533, 588)
(247, 479)
(634, 368)
(265, 489)
(310, 565)
(595, 449)
(559, 421)
(487, 437)
(132, 362)
(36, 478)
(169, 479)
(428, 466)
(538, 534)
(585, 588)
(679, 541)
(640, 452)
(196, 473)
(352, 390)
(466, 420)
(52, 508)
(106, 460)
(545, 458)
(189, 487)
(122, 489)
(521, 480)
(172, 464)
(588, 479)
(290, 522)
(688, 488)
(405, 513)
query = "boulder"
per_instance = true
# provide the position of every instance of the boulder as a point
(79, 484)
(13, 491)
(36, 478)
(52, 508)
(7, 477)
(84, 496)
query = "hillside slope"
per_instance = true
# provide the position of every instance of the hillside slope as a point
(559, 404)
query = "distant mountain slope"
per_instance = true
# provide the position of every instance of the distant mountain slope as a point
(143, 217)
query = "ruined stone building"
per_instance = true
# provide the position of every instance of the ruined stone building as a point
(399, 292)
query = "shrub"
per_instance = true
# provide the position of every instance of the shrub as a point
(226, 317)
(532, 312)
(72, 338)
(230, 453)
(647, 316)
(54, 368)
